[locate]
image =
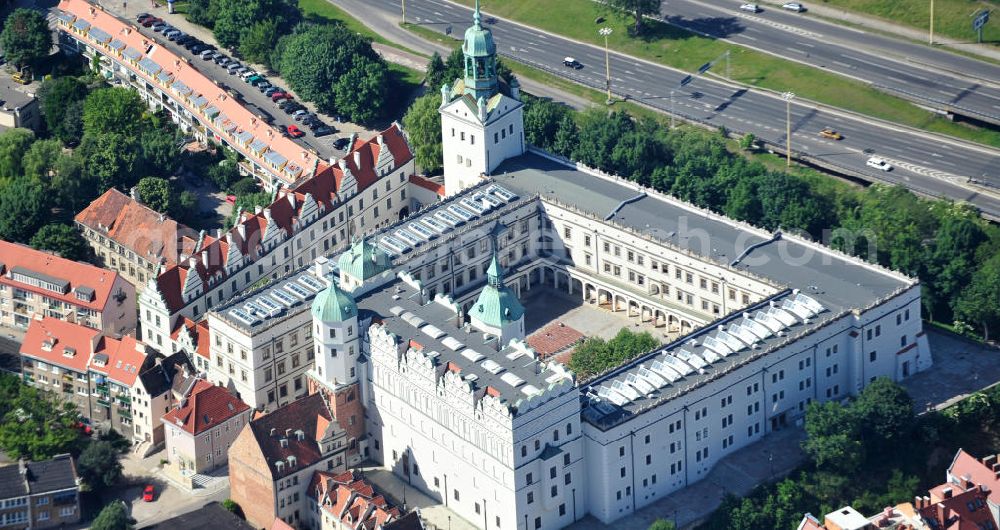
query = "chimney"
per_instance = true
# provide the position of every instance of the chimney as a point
(918, 503)
(988, 461)
(946, 493)
(273, 431)
(342, 164)
(241, 229)
(291, 199)
(288, 432)
(229, 238)
(357, 159)
(354, 138)
(193, 263)
(204, 258)
(380, 140)
(267, 215)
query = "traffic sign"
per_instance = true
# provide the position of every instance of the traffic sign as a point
(981, 19)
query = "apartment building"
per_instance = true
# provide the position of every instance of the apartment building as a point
(37, 495)
(202, 426)
(38, 283)
(132, 239)
(167, 81)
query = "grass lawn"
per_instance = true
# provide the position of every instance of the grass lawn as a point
(681, 49)
(952, 18)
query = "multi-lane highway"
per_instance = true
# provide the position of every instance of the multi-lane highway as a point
(927, 164)
(933, 78)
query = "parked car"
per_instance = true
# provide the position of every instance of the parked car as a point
(149, 22)
(295, 132)
(175, 35)
(221, 60)
(183, 40)
(233, 66)
(142, 17)
(280, 95)
(271, 90)
(828, 132)
(160, 26)
(263, 86)
(192, 42)
(248, 74)
(231, 199)
(793, 6)
(753, 8)
(197, 49)
(341, 143)
(207, 54)
(299, 114)
(283, 130)
(291, 108)
(323, 131)
(148, 493)
(258, 81)
(572, 63)
(879, 164)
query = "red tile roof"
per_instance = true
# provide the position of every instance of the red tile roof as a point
(554, 338)
(278, 524)
(51, 340)
(324, 189)
(205, 406)
(966, 510)
(75, 273)
(351, 499)
(427, 184)
(227, 114)
(203, 342)
(151, 235)
(966, 466)
(304, 415)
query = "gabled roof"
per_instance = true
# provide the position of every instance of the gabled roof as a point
(205, 407)
(122, 359)
(300, 415)
(148, 233)
(428, 184)
(60, 343)
(980, 472)
(159, 378)
(351, 499)
(36, 478)
(324, 188)
(364, 260)
(92, 283)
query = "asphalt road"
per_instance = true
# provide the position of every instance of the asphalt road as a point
(928, 164)
(930, 77)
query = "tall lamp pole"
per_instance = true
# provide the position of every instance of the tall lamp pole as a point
(931, 39)
(788, 96)
(403, 2)
(607, 60)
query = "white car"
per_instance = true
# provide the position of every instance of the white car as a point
(793, 6)
(879, 164)
(753, 8)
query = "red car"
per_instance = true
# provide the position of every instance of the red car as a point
(295, 132)
(150, 21)
(84, 428)
(147, 494)
(280, 95)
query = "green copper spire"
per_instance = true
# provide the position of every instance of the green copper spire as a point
(497, 304)
(480, 59)
(364, 260)
(333, 304)
(495, 272)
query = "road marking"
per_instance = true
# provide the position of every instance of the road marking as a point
(806, 44)
(748, 37)
(438, 14)
(777, 25)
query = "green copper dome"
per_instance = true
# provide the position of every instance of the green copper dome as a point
(333, 304)
(478, 41)
(497, 304)
(364, 260)
(480, 60)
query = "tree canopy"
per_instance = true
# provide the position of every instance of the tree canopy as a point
(35, 424)
(56, 97)
(423, 126)
(639, 10)
(25, 37)
(98, 464)
(62, 239)
(114, 516)
(596, 355)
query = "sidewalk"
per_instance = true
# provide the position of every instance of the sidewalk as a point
(887, 26)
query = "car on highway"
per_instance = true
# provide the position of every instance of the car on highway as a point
(148, 493)
(753, 8)
(793, 6)
(829, 132)
(572, 63)
(295, 132)
(879, 164)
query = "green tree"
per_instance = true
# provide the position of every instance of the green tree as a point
(748, 141)
(234, 18)
(542, 118)
(186, 207)
(98, 465)
(160, 152)
(13, 144)
(595, 355)
(35, 424)
(22, 209)
(156, 193)
(40, 160)
(423, 125)
(111, 159)
(361, 92)
(71, 129)
(113, 517)
(70, 187)
(600, 132)
(203, 12)
(55, 97)
(566, 137)
(258, 41)
(248, 203)
(245, 186)
(435, 72)
(25, 37)
(885, 413)
(639, 9)
(114, 110)
(979, 302)
(832, 437)
(62, 239)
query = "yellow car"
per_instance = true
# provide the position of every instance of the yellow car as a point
(831, 134)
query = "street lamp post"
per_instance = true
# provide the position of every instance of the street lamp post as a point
(403, 4)
(788, 96)
(607, 60)
(931, 38)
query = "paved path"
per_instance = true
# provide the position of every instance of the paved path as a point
(886, 26)
(171, 498)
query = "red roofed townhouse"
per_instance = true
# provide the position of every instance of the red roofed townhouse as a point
(132, 238)
(169, 82)
(365, 190)
(202, 427)
(345, 501)
(116, 383)
(272, 461)
(38, 283)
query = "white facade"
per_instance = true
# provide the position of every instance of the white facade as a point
(478, 136)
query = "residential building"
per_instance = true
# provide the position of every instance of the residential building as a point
(365, 190)
(168, 82)
(33, 282)
(18, 107)
(202, 426)
(116, 383)
(36, 495)
(133, 239)
(272, 461)
(211, 516)
(346, 501)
